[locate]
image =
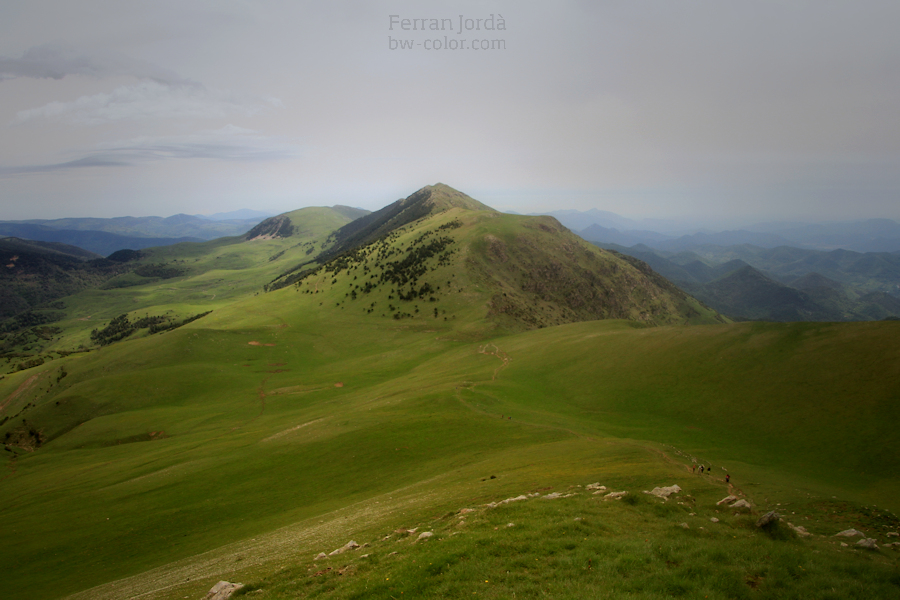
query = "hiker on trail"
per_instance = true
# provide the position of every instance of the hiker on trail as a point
(701, 469)
(693, 468)
(727, 478)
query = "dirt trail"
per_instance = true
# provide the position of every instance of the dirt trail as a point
(471, 385)
(22, 388)
(499, 354)
(289, 543)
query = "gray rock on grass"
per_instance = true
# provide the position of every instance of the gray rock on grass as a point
(867, 544)
(768, 518)
(516, 499)
(799, 530)
(351, 545)
(850, 533)
(222, 590)
(664, 492)
(615, 495)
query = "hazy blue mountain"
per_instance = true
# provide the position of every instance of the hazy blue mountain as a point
(598, 233)
(176, 226)
(723, 238)
(99, 242)
(579, 220)
(784, 283)
(871, 235)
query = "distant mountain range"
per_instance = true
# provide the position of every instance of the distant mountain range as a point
(747, 282)
(105, 236)
(872, 235)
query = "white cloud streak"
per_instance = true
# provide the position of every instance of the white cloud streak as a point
(150, 100)
(229, 143)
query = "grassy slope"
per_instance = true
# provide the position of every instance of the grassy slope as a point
(215, 273)
(188, 440)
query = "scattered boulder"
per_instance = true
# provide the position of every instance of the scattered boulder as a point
(510, 524)
(867, 543)
(222, 590)
(768, 518)
(424, 535)
(685, 525)
(726, 500)
(850, 533)
(351, 545)
(595, 486)
(843, 545)
(714, 520)
(893, 534)
(553, 496)
(464, 511)
(799, 530)
(615, 495)
(322, 555)
(663, 492)
(741, 504)
(516, 499)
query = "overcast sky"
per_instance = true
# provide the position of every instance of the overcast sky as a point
(747, 111)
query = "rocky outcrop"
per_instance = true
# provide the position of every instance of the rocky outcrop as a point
(351, 545)
(799, 530)
(850, 533)
(615, 495)
(768, 519)
(222, 590)
(664, 492)
(867, 544)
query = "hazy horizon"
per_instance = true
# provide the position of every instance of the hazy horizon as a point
(697, 112)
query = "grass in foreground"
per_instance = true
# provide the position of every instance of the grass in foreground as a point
(584, 547)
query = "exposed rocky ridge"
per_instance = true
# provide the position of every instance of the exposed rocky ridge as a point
(273, 227)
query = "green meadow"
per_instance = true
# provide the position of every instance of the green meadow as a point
(284, 424)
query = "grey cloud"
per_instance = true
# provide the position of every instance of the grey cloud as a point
(51, 61)
(148, 100)
(228, 144)
(98, 160)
